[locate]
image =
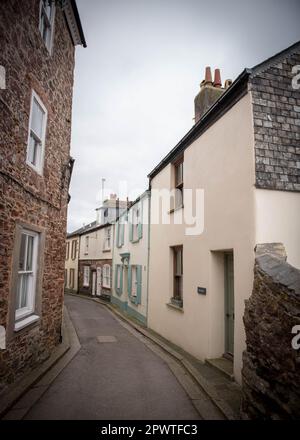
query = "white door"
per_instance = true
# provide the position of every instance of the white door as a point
(94, 283)
(98, 281)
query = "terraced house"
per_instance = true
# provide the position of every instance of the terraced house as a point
(35, 171)
(96, 249)
(244, 153)
(131, 259)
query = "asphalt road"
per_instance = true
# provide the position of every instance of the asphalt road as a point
(119, 379)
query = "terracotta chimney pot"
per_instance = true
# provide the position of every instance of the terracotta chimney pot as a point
(217, 80)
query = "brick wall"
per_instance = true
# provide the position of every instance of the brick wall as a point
(26, 196)
(276, 112)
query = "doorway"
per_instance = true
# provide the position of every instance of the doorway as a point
(99, 284)
(94, 282)
(229, 303)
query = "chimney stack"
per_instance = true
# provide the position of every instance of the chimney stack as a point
(210, 91)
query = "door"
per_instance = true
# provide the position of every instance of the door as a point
(94, 282)
(229, 303)
(98, 281)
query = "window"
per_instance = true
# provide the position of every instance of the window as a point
(66, 277)
(47, 13)
(135, 284)
(135, 223)
(67, 250)
(74, 249)
(107, 239)
(119, 279)
(106, 276)
(36, 134)
(120, 233)
(178, 170)
(136, 227)
(72, 278)
(27, 276)
(86, 250)
(86, 276)
(134, 281)
(177, 275)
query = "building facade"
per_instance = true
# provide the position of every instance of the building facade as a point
(37, 54)
(244, 155)
(71, 263)
(131, 259)
(95, 261)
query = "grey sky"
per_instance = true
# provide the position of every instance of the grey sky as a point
(136, 81)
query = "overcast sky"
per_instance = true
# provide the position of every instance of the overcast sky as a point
(136, 81)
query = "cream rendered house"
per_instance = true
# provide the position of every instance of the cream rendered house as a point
(130, 259)
(244, 153)
(71, 263)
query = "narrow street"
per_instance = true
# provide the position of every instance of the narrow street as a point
(120, 379)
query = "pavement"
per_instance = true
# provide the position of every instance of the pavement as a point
(117, 374)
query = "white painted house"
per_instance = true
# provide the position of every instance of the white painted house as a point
(130, 259)
(244, 153)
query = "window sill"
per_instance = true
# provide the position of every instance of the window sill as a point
(106, 250)
(106, 287)
(173, 306)
(25, 322)
(176, 209)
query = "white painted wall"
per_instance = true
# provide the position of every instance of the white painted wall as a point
(221, 162)
(138, 256)
(278, 220)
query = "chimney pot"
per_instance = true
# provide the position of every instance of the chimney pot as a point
(208, 77)
(217, 80)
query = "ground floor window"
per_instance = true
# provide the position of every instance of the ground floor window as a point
(135, 283)
(66, 277)
(177, 252)
(106, 276)
(86, 276)
(72, 278)
(119, 279)
(26, 281)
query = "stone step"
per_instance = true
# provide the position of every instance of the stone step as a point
(225, 366)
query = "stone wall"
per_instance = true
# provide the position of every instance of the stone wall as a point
(276, 112)
(25, 196)
(271, 379)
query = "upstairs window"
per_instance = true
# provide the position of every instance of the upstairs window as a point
(47, 13)
(74, 249)
(67, 250)
(107, 239)
(36, 134)
(86, 250)
(178, 184)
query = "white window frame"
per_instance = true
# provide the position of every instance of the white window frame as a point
(134, 281)
(136, 220)
(106, 276)
(39, 167)
(24, 312)
(50, 24)
(107, 239)
(86, 276)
